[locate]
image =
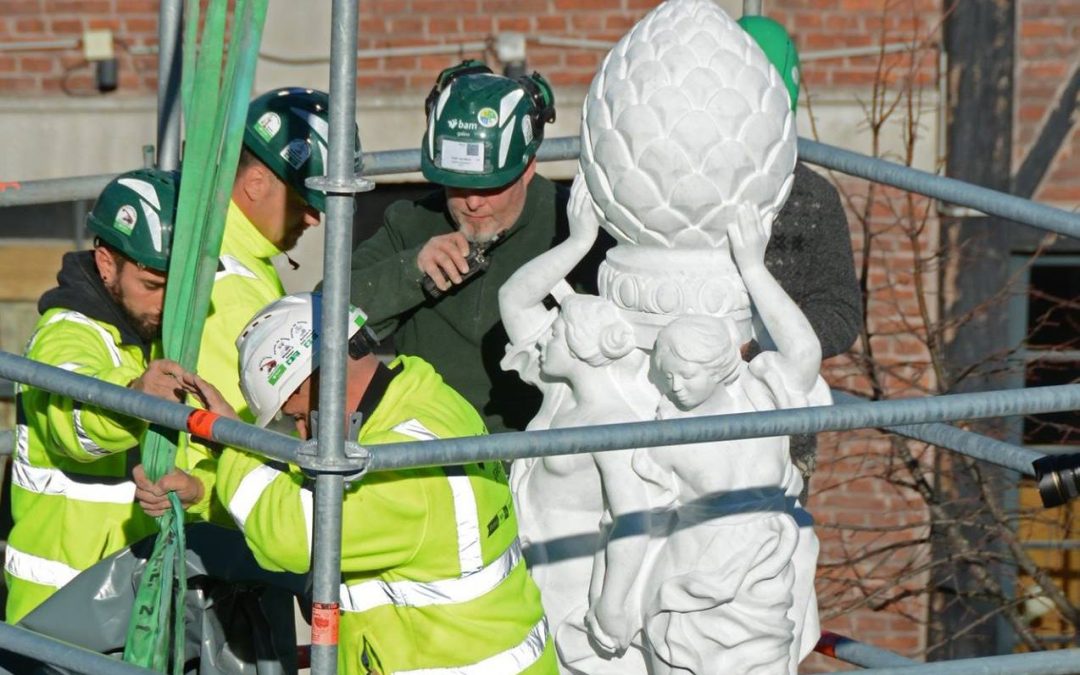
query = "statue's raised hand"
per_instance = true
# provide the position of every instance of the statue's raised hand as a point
(748, 236)
(581, 212)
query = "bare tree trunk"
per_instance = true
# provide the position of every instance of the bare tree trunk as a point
(980, 40)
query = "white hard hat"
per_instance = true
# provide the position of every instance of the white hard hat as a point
(279, 350)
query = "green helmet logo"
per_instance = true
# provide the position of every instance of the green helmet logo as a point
(135, 214)
(287, 129)
(483, 129)
(778, 48)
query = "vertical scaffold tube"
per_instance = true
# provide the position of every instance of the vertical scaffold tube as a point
(751, 7)
(170, 20)
(329, 488)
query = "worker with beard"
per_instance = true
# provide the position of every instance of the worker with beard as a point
(431, 275)
(72, 495)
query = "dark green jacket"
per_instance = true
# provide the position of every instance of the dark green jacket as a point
(461, 333)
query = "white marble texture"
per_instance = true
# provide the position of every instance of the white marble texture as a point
(678, 559)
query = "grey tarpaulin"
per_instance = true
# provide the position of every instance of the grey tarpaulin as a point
(240, 618)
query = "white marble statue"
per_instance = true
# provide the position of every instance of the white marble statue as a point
(691, 559)
(585, 360)
(724, 593)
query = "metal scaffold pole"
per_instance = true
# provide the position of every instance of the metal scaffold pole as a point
(340, 185)
(170, 22)
(44, 649)
(413, 454)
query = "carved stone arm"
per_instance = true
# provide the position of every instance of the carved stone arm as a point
(521, 298)
(796, 343)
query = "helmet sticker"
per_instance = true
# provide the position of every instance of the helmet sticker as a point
(509, 102)
(462, 156)
(268, 126)
(296, 152)
(125, 219)
(504, 141)
(461, 125)
(317, 124)
(487, 117)
(143, 189)
(288, 350)
(526, 129)
(153, 224)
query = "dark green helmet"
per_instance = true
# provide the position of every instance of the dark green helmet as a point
(482, 128)
(135, 214)
(778, 48)
(287, 129)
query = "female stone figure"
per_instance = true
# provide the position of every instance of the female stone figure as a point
(733, 581)
(584, 359)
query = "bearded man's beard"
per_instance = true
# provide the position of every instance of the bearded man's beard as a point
(147, 329)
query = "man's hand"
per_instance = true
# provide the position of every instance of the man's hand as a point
(208, 395)
(154, 497)
(443, 259)
(163, 378)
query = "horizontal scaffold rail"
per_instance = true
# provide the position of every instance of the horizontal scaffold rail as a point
(966, 442)
(845, 649)
(875, 169)
(49, 650)
(519, 445)
(1056, 662)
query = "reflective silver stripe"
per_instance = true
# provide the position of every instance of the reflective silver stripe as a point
(249, 492)
(45, 481)
(413, 428)
(233, 267)
(76, 317)
(85, 441)
(307, 503)
(88, 444)
(36, 569)
(365, 595)
(510, 662)
(22, 443)
(470, 554)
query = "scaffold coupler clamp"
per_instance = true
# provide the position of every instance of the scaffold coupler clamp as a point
(357, 458)
(1059, 478)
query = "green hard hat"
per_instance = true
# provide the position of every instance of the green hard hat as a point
(779, 48)
(135, 215)
(482, 128)
(287, 129)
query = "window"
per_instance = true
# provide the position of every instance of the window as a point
(1045, 322)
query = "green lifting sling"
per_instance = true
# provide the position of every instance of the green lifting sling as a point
(215, 101)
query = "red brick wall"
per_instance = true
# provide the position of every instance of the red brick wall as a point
(134, 22)
(820, 25)
(1047, 56)
(854, 489)
(871, 527)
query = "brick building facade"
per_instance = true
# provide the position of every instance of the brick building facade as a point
(873, 526)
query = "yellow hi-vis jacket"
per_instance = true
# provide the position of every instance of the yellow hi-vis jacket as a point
(72, 498)
(245, 282)
(433, 579)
